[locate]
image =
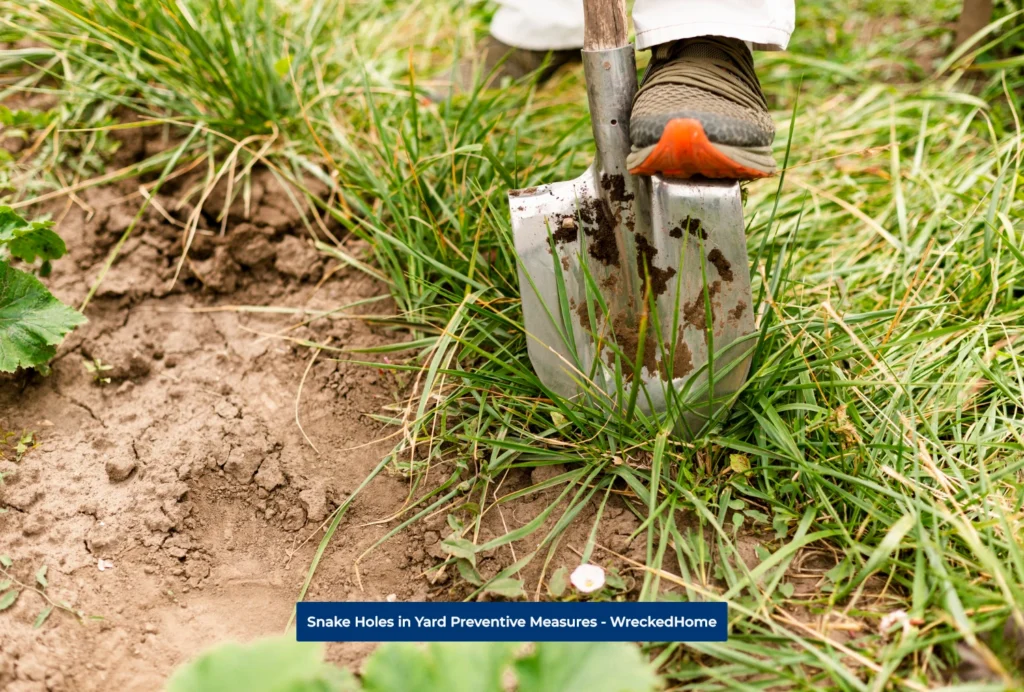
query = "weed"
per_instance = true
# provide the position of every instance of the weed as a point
(18, 444)
(283, 663)
(32, 321)
(12, 588)
(96, 368)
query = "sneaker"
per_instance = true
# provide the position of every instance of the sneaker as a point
(700, 111)
(518, 63)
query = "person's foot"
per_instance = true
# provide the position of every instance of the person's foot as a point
(519, 63)
(700, 111)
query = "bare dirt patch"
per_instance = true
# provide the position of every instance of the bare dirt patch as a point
(186, 470)
(165, 444)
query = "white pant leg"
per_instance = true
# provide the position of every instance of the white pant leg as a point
(539, 24)
(558, 24)
(767, 24)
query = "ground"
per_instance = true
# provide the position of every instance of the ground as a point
(165, 449)
(187, 470)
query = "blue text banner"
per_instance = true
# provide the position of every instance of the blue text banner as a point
(361, 621)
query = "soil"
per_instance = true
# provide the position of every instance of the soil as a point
(721, 264)
(692, 226)
(168, 489)
(179, 460)
(647, 269)
(694, 313)
(599, 225)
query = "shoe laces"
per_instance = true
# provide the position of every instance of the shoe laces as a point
(719, 65)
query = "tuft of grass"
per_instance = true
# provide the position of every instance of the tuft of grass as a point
(881, 423)
(243, 68)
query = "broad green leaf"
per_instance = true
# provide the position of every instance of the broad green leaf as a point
(460, 547)
(781, 525)
(506, 587)
(448, 666)
(278, 664)
(839, 572)
(468, 572)
(42, 617)
(27, 240)
(613, 581)
(32, 321)
(40, 242)
(559, 582)
(757, 516)
(739, 463)
(41, 576)
(8, 599)
(6, 561)
(586, 667)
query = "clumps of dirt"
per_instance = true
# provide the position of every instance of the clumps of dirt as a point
(263, 200)
(262, 251)
(646, 268)
(737, 312)
(722, 265)
(599, 225)
(566, 229)
(582, 314)
(682, 361)
(597, 220)
(693, 311)
(615, 186)
(627, 337)
(626, 330)
(252, 246)
(690, 225)
(526, 191)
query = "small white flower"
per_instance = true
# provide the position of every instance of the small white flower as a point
(895, 617)
(587, 578)
(391, 598)
(104, 565)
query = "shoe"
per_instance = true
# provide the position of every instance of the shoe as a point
(700, 111)
(519, 63)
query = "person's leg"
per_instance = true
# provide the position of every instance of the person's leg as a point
(539, 25)
(546, 25)
(700, 109)
(526, 35)
(766, 24)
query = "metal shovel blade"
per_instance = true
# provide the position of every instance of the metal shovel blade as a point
(634, 289)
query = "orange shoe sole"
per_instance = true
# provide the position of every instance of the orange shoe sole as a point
(685, 151)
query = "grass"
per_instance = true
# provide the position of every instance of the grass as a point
(881, 428)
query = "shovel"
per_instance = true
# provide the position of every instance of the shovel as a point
(636, 290)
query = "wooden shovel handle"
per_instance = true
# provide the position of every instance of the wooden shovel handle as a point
(605, 24)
